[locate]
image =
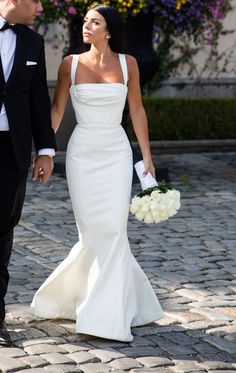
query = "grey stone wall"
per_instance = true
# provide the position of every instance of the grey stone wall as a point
(184, 87)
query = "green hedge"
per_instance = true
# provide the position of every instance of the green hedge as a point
(185, 119)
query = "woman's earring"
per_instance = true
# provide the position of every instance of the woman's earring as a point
(108, 36)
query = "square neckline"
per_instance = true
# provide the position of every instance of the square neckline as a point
(123, 66)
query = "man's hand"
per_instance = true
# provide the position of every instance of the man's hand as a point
(42, 168)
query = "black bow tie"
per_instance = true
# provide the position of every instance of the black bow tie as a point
(7, 25)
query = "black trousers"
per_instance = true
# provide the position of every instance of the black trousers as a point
(12, 194)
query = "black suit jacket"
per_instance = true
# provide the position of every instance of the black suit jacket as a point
(26, 98)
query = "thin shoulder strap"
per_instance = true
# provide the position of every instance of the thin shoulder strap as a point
(75, 60)
(124, 67)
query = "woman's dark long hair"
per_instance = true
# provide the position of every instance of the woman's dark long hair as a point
(114, 26)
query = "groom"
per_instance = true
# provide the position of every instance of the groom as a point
(24, 113)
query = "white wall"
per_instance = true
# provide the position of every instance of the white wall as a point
(53, 50)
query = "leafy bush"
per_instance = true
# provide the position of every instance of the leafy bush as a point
(191, 119)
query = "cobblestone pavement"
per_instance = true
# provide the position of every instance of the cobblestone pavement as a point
(190, 261)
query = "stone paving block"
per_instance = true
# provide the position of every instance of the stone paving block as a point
(172, 348)
(62, 368)
(108, 354)
(186, 366)
(184, 317)
(11, 352)
(124, 363)
(78, 338)
(19, 333)
(140, 342)
(42, 349)
(95, 368)
(52, 329)
(166, 320)
(57, 358)
(222, 371)
(68, 325)
(45, 340)
(219, 356)
(34, 361)
(213, 303)
(169, 305)
(140, 351)
(231, 337)
(151, 370)
(83, 357)
(177, 369)
(32, 370)
(203, 324)
(212, 314)
(152, 330)
(213, 365)
(221, 331)
(74, 347)
(230, 311)
(191, 294)
(154, 361)
(110, 344)
(9, 364)
(222, 344)
(180, 338)
(204, 348)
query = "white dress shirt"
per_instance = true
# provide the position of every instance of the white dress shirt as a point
(7, 52)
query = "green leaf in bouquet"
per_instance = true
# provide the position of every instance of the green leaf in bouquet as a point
(163, 187)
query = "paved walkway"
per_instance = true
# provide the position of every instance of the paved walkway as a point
(191, 263)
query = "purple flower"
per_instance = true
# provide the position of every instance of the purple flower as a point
(72, 10)
(192, 17)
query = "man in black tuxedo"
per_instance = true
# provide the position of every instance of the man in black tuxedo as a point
(24, 113)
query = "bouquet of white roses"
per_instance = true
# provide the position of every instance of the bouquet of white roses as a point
(156, 204)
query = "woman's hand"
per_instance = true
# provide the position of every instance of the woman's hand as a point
(149, 166)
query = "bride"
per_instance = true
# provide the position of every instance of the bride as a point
(100, 285)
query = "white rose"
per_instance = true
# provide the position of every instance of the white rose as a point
(145, 201)
(153, 205)
(155, 195)
(135, 205)
(155, 209)
(163, 214)
(148, 218)
(139, 215)
(157, 219)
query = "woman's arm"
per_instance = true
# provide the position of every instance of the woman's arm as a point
(61, 93)
(138, 114)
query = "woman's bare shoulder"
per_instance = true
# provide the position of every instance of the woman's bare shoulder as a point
(130, 59)
(65, 65)
(131, 63)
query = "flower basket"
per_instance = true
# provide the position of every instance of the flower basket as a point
(156, 204)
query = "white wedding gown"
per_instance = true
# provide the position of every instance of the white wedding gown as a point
(99, 284)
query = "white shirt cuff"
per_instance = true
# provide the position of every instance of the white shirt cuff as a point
(47, 151)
